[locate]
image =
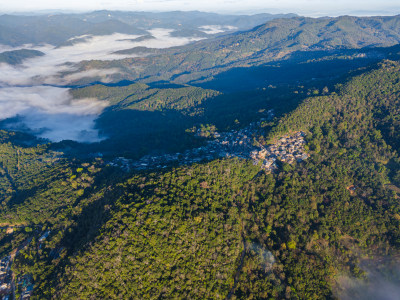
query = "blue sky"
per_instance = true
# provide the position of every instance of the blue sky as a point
(304, 7)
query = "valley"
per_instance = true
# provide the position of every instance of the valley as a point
(191, 155)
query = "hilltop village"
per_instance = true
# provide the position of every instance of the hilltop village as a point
(289, 148)
(234, 143)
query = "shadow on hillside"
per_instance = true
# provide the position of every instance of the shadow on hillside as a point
(301, 67)
(17, 138)
(135, 133)
(86, 226)
(22, 195)
(280, 85)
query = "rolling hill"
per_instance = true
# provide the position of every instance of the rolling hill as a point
(220, 229)
(276, 40)
(77, 221)
(16, 57)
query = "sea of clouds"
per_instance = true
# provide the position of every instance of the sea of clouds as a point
(34, 95)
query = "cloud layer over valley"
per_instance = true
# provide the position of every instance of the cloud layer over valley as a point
(49, 69)
(35, 95)
(50, 112)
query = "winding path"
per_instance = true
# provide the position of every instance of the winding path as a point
(238, 270)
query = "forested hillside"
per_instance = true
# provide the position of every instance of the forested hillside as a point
(143, 119)
(222, 229)
(191, 155)
(302, 227)
(276, 40)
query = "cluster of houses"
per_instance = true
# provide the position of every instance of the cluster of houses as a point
(6, 278)
(289, 149)
(235, 143)
(7, 283)
(25, 282)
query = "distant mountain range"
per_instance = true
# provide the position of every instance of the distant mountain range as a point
(57, 29)
(276, 40)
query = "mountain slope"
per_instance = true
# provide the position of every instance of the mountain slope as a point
(276, 40)
(302, 227)
(224, 228)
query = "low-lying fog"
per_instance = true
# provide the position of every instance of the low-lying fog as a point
(32, 93)
(382, 281)
(214, 29)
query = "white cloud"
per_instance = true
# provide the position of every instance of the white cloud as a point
(50, 111)
(214, 29)
(48, 69)
(92, 73)
(45, 99)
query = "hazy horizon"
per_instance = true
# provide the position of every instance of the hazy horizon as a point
(313, 8)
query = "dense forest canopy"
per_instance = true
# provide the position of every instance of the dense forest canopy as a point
(77, 221)
(219, 228)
